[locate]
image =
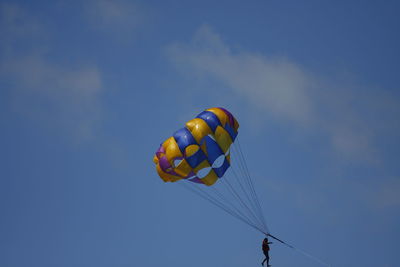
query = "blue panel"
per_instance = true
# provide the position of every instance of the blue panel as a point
(184, 138)
(196, 158)
(210, 118)
(231, 131)
(221, 170)
(213, 149)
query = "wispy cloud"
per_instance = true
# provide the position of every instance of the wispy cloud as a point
(46, 91)
(275, 85)
(116, 16)
(56, 95)
(288, 92)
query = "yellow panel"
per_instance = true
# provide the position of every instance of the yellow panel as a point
(166, 177)
(198, 129)
(155, 159)
(202, 165)
(172, 150)
(191, 149)
(210, 178)
(223, 138)
(204, 149)
(183, 168)
(166, 143)
(223, 118)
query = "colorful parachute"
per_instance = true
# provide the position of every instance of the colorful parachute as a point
(200, 151)
(200, 154)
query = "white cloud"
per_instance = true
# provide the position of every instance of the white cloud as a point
(112, 15)
(284, 90)
(277, 86)
(52, 94)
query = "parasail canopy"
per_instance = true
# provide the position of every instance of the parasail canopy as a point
(198, 157)
(198, 152)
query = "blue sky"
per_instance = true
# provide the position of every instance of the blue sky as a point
(89, 89)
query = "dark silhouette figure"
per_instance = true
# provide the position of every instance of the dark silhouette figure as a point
(265, 249)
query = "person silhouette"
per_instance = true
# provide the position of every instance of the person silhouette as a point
(265, 248)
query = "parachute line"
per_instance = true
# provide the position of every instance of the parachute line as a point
(234, 192)
(250, 181)
(200, 192)
(240, 200)
(244, 175)
(300, 251)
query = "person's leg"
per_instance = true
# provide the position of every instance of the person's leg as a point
(267, 258)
